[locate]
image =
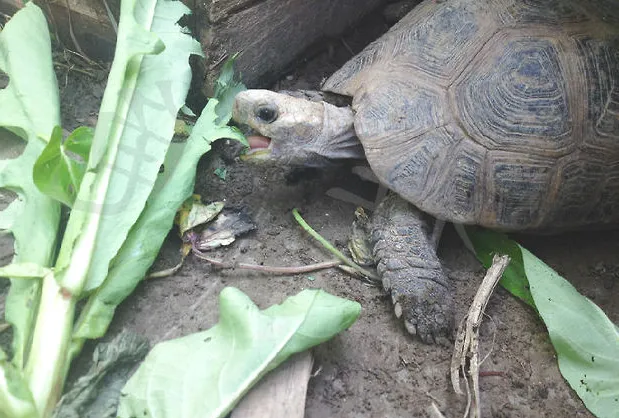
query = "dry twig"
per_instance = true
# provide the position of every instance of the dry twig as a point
(73, 38)
(267, 269)
(466, 350)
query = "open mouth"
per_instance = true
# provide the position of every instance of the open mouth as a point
(259, 146)
(258, 142)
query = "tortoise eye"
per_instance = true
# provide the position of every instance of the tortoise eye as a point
(267, 113)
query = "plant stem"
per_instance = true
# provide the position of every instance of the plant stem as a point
(48, 361)
(267, 269)
(330, 247)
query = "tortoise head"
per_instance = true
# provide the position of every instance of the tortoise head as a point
(295, 131)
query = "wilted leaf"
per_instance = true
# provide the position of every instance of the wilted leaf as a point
(206, 373)
(223, 231)
(96, 392)
(195, 213)
(181, 128)
(359, 243)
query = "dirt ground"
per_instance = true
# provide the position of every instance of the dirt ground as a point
(374, 369)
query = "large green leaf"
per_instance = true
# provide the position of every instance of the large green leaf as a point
(29, 108)
(134, 130)
(586, 341)
(29, 105)
(205, 374)
(174, 185)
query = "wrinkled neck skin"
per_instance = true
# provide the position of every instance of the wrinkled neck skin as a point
(337, 138)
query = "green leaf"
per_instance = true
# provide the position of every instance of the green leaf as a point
(134, 129)
(206, 373)
(221, 173)
(173, 187)
(133, 133)
(61, 166)
(488, 243)
(33, 219)
(29, 107)
(586, 341)
(226, 88)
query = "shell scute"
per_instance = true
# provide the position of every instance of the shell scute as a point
(516, 97)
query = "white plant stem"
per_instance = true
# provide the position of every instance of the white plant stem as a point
(48, 360)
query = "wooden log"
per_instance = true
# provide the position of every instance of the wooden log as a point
(269, 34)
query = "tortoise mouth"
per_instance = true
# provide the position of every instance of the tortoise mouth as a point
(259, 147)
(258, 142)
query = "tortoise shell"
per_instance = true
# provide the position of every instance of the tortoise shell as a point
(495, 112)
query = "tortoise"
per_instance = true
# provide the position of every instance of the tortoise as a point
(498, 113)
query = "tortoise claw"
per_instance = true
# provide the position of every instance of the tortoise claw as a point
(425, 307)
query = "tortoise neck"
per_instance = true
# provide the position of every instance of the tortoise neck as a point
(339, 140)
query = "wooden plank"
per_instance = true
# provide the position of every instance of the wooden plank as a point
(281, 393)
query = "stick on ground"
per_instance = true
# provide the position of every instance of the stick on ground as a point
(467, 339)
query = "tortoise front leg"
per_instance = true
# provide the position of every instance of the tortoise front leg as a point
(404, 248)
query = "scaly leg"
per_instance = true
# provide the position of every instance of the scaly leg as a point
(404, 248)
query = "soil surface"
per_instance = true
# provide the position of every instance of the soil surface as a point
(374, 369)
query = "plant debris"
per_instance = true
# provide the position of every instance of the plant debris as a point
(230, 224)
